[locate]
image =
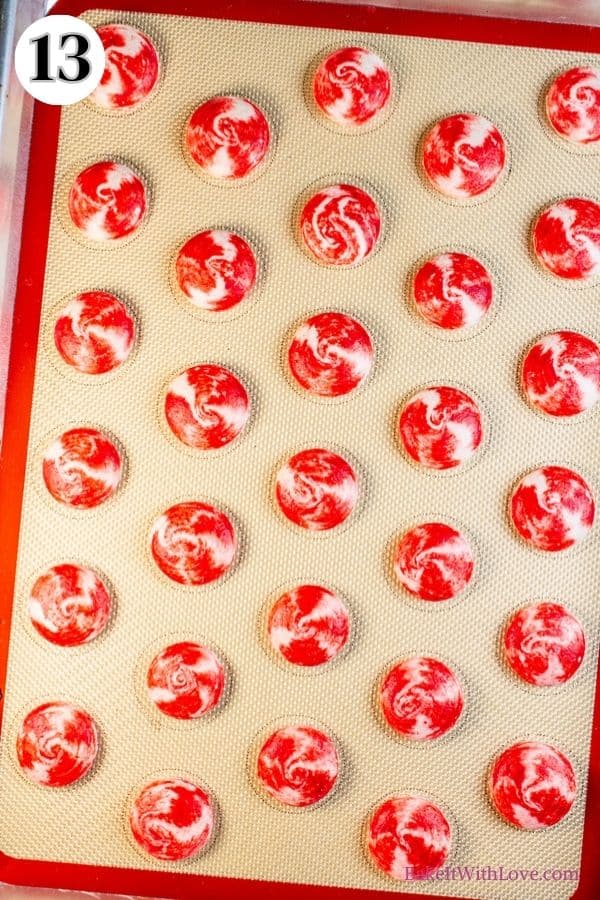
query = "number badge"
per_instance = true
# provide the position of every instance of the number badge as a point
(59, 60)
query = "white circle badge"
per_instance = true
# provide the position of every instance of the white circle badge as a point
(59, 60)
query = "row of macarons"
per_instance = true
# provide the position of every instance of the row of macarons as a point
(308, 626)
(351, 86)
(227, 138)
(296, 767)
(338, 226)
(331, 355)
(552, 507)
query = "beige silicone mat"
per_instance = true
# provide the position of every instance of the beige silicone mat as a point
(86, 824)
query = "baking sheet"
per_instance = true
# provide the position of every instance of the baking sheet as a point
(255, 840)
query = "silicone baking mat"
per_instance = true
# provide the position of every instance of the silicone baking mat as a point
(85, 827)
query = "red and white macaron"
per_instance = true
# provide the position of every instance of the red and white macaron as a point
(552, 508)
(216, 270)
(131, 70)
(440, 427)
(331, 354)
(228, 138)
(186, 680)
(408, 838)
(172, 819)
(464, 156)
(544, 644)
(193, 543)
(298, 765)
(566, 238)
(434, 561)
(352, 87)
(69, 605)
(82, 468)
(573, 105)
(532, 785)
(94, 332)
(107, 202)
(560, 374)
(207, 407)
(308, 625)
(421, 698)
(57, 744)
(317, 489)
(340, 225)
(453, 291)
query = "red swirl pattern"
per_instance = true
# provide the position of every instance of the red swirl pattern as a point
(532, 785)
(172, 819)
(57, 744)
(464, 156)
(228, 137)
(131, 70)
(561, 374)
(331, 354)
(207, 407)
(440, 427)
(453, 291)
(193, 543)
(317, 490)
(408, 838)
(421, 699)
(94, 333)
(340, 225)
(186, 680)
(352, 86)
(566, 238)
(216, 270)
(552, 508)
(107, 201)
(298, 765)
(544, 644)
(573, 105)
(69, 605)
(434, 561)
(308, 625)
(82, 468)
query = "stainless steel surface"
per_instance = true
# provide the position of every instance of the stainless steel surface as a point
(7, 892)
(583, 12)
(15, 124)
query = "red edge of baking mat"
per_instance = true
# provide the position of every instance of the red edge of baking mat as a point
(32, 264)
